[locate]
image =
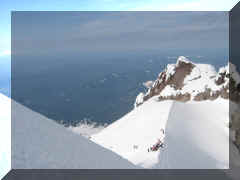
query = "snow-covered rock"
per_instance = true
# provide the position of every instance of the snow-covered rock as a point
(139, 99)
(186, 81)
(182, 59)
(40, 143)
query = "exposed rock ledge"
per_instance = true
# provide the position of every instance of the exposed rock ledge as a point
(186, 81)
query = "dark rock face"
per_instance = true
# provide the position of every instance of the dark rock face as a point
(221, 78)
(234, 91)
(181, 70)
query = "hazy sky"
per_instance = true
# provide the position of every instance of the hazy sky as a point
(96, 5)
(77, 32)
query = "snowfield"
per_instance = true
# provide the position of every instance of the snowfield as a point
(196, 135)
(140, 129)
(40, 143)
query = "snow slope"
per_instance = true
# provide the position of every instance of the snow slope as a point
(5, 129)
(38, 142)
(196, 134)
(141, 128)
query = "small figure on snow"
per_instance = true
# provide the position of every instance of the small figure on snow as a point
(135, 147)
(159, 144)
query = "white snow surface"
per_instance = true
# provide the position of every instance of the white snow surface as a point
(5, 138)
(182, 59)
(170, 70)
(196, 135)
(141, 127)
(201, 77)
(40, 143)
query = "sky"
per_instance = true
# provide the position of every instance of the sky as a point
(54, 33)
(99, 5)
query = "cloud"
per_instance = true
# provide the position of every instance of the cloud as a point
(5, 53)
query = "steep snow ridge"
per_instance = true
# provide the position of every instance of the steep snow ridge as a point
(194, 138)
(40, 143)
(137, 131)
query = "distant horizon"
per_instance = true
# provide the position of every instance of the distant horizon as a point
(52, 33)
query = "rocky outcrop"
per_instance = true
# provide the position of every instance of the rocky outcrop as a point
(178, 97)
(186, 81)
(173, 75)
